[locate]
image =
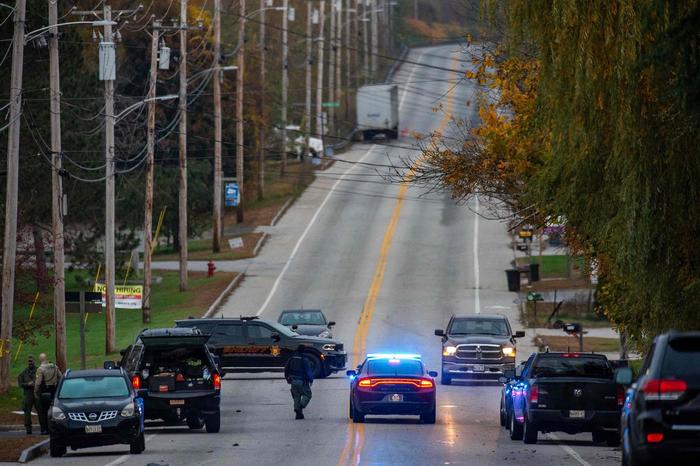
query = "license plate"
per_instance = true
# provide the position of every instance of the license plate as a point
(577, 414)
(96, 429)
(177, 402)
(396, 397)
(478, 368)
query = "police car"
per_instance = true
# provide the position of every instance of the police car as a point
(391, 384)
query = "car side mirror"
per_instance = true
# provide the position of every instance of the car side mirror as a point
(439, 332)
(519, 334)
(503, 379)
(623, 376)
(275, 337)
(509, 374)
(432, 373)
(350, 373)
(331, 324)
(109, 365)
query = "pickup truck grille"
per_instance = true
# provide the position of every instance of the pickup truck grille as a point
(484, 352)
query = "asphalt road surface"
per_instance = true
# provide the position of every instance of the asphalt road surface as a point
(389, 263)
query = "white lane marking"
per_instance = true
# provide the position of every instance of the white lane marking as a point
(410, 75)
(572, 453)
(308, 228)
(123, 458)
(477, 302)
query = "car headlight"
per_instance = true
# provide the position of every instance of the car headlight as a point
(57, 413)
(128, 410)
(508, 351)
(449, 350)
(329, 347)
(325, 334)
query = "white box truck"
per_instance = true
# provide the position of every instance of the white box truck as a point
(378, 110)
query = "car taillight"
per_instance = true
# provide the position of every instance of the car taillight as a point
(366, 383)
(179, 378)
(534, 394)
(426, 383)
(655, 437)
(620, 395)
(217, 382)
(136, 382)
(664, 389)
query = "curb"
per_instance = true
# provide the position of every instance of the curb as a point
(259, 244)
(281, 212)
(212, 309)
(34, 451)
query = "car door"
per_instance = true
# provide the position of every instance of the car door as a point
(520, 390)
(262, 350)
(228, 343)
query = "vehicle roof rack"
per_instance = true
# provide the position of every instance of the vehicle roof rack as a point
(249, 317)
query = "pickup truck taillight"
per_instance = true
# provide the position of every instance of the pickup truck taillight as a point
(217, 381)
(664, 389)
(136, 382)
(534, 394)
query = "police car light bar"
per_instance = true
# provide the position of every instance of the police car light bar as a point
(393, 356)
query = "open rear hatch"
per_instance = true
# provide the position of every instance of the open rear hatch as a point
(174, 340)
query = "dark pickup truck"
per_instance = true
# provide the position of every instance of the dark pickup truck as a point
(564, 392)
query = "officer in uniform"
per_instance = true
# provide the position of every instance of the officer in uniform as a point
(300, 376)
(47, 377)
(26, 382)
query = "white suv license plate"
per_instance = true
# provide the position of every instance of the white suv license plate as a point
(577, 414)
(95, 429)
(478, 368)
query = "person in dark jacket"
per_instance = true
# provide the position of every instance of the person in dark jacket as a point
(25, 380)
(300, 376)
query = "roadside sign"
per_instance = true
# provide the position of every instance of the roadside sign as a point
(330, 104)
(125, 297)
(235, 243)
(232, 195)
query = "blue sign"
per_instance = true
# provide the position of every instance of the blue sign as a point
(232, 195)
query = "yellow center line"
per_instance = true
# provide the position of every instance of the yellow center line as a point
(355, 438)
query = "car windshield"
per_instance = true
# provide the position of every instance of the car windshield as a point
(394, 367)
(681, 359)
(303, 318)
(479, 327)
(578, 366)
(93, 387)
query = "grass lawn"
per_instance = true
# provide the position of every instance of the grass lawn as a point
(568, 343)
(552, 266)
(167, 305)
(200, 250)
(567, 313)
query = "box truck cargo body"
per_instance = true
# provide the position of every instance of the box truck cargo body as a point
(378, 110)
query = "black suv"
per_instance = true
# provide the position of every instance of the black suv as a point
(176, 375)
(477, 346)
(661, 414)
(249, 344)
(94, 408)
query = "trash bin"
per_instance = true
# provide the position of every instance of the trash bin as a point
(513, 277)
(534, 272)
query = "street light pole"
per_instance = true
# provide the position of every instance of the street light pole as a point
(375, 37)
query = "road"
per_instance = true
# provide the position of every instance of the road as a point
(389, 265)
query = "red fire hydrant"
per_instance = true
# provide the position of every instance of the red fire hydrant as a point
(210, 268)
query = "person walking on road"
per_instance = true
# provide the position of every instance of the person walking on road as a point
(25, 380)
(300, 376)
(47, 377)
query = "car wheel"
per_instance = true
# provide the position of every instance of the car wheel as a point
(502, 414)
(612, 439)
(598, 436)
(213, 422)
(429, 417)
(316, 366)
(515, 429)
(351, 410)
(357, 415)
(138, 445)
(445, 379)
(56, 450)
(194, 422)
(529, 432)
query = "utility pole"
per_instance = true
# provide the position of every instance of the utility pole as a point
(150, 159)
(348, 53)
(365, 42)
(375, 38)
(285, 83)
(415, 9)
(263, 110)
(59, 297)
(355, 44)
(239, 111)
(319, 74)
(332, 65)
(307, 107)
(182, 152)
(10, 245)
(339, 57)
(385, 19)
(110, 316)
(218, 132)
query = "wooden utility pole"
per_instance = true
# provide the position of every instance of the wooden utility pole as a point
(239, 111)
(262, 130)
(285, 82)
(307, 106)
(365, 42)
(348, 53)
(182, 152)
(338, 58)
(332, 65)
(110, 328)
(386, 11)
(218, 132)
(355, 43)
(12, 176)
(150, 159)
(319, 75)
(59, 297)
(375, 38)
